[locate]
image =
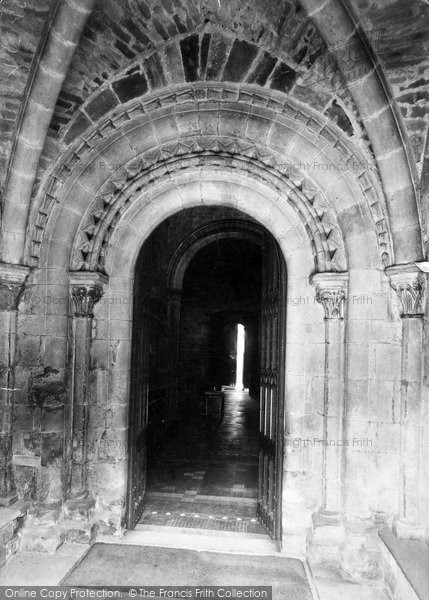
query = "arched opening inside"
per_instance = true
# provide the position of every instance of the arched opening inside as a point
(211, 187)
(207, 377)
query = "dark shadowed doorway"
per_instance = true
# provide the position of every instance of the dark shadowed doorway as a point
(206, 410)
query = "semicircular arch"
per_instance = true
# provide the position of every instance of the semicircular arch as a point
(205, 235)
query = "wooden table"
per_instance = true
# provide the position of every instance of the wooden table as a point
(213, 404)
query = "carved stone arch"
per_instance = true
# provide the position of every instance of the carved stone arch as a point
(198, 239)
(379, 118)
(118, 194)
(161, 134)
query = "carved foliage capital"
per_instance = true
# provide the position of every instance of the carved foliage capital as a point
(84, 299)
(12, 285)
(409, 283)
(331, 292)
(86, 289)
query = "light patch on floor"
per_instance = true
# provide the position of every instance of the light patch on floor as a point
(35, 568)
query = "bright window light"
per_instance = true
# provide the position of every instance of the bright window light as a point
(240, 357)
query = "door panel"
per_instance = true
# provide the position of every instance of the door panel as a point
(138, 422)
(272, 392)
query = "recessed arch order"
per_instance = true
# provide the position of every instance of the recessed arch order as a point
(341, 206)
(165, 160)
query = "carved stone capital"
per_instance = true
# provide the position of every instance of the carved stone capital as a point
(86, 289)
(331, 292)
(409, 282)
(12, 282)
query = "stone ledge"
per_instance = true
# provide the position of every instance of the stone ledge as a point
(6, 501)
(13, 274)
(412, 561)
(11, 514)
(7, 515)
(78, 532)
(26, 460)
(38, 538)
(11, 522)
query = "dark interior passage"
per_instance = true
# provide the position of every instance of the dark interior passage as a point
(222, 287)
(206, 475)
(196, 460)
(207, 464)
(197, 445)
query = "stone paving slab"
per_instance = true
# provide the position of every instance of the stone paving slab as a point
(116, 564)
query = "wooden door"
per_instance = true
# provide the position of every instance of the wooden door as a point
(138, 418)
(272, 353)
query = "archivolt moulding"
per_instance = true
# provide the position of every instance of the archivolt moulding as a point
(196, 97)
(115, 197)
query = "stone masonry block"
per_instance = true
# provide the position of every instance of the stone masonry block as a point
(45, 539)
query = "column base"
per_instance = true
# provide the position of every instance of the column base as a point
(360, 553)
(79, 509)
(409, 530)
(325, 538)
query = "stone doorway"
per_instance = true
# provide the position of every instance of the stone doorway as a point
(103, 305)
(190, 466)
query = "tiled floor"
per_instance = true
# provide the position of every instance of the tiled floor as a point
(206, 476)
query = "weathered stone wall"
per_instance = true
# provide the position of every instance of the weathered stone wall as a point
(21, 28)
(398, 33)
(38, 447)
(42, 394)
(194, 43)
(11, 524)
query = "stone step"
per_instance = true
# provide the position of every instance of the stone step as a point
(197, 539)
(9, 500)
(406, 567)
(48, 514)
(17, 511)
(46, 530)
(11, 523)
(41, 538)
(78, 532)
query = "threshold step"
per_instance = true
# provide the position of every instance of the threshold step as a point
(196, 539)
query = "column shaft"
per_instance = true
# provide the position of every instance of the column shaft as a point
(86, 290)
(12, 280)
(333, 414)
(82, 327)
(411, 378)
(409, 282)
(174, 299)
(331, 291)
(8, 327)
